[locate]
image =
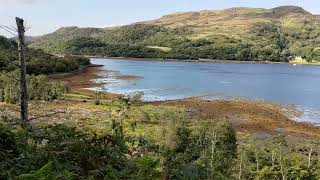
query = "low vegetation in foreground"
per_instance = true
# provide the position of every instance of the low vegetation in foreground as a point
(88, 136)
(123, 138)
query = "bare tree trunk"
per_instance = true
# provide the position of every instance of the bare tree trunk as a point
(257, 160)
(309, 156)
(23, 74)
(282, 169)
(240, 166)
(273, 157)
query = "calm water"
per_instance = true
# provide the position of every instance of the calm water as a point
(163, 80)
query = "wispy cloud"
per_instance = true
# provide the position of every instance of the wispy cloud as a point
(315, 11)
(19, 1)
(27, 1)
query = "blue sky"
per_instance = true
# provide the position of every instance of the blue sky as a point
(45, 16)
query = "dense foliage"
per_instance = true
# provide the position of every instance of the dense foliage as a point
(59, 153)
(147, 142)
(273, 46)
(39, 88)
(208, 151)
(38, 62)
(257, 35)
(276, 159)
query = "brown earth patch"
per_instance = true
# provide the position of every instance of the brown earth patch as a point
(83, 79)
(80, 79)
(247, 116)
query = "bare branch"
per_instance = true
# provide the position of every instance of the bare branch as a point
(46, 115)
(12, 109)
(33, 106)
(28, 28)
(25, 22)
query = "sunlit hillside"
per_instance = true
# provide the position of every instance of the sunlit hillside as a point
(200, 32)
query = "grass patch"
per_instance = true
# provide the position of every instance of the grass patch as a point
(164, 49)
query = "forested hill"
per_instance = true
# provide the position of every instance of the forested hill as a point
(277, 34)
(38, 61)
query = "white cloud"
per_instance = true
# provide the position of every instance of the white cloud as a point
(113, 25)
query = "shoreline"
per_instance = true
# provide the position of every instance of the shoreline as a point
(247, 116)
(201, 60)
(185, 60)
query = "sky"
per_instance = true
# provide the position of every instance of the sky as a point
(46, 16)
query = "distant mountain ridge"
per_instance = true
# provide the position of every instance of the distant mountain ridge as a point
(28, 39)
(241, 18)
(228, 28)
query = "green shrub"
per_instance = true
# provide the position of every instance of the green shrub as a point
(39, 88)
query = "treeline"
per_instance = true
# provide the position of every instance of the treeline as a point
(43, 63)
(39, 88)
(264, 42)
(186, 50)
(267, 44)
(38, 62)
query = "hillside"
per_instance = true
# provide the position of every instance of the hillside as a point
(38, 61)
(236, 22)
(277, 34)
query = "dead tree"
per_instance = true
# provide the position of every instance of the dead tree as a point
(23, 74)
(24, 119)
